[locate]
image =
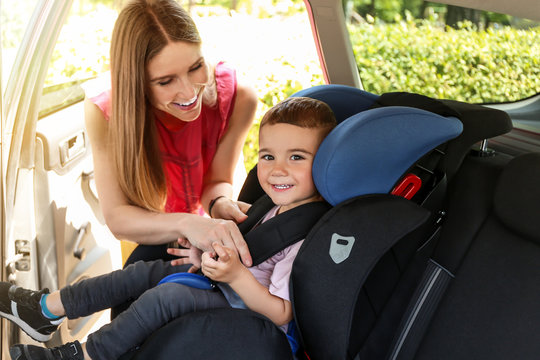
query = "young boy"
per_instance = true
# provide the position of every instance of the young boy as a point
(289, 136)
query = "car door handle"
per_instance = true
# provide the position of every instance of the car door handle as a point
(80, 252)
(72, 148)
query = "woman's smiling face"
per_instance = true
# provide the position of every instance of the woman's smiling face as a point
(176, 79)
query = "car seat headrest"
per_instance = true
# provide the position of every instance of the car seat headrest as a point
(517, 196)
(370, 151)
(479, 122)
(345, 101)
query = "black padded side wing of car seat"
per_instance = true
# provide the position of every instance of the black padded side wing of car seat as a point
(334, 262)
(214, 335)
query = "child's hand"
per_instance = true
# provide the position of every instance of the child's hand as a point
(192, 255)
(225, 268)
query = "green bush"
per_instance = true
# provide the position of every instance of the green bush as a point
(495, 65)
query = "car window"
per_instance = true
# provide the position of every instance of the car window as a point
(80, 54)
(269, 44)
(14, 19)
(444, 51)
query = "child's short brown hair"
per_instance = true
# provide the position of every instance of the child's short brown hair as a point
(303, 112)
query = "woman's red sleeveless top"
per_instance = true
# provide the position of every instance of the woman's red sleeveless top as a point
(187, 148)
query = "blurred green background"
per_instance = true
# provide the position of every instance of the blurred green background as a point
(400, 45)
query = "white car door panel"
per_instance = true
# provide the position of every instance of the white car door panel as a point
(54, 233)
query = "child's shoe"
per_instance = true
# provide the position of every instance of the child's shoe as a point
(69, 351)
(22, 307)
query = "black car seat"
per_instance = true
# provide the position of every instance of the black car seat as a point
(392, 139)
(353, 258)
(474, 297)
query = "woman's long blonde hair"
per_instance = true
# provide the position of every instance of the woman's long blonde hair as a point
(142, 30)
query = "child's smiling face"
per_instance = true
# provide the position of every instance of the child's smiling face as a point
(286, 155)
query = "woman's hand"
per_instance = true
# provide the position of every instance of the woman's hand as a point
(225, 208)
(202, 232)
(222, 264)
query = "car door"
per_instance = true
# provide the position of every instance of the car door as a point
(53, 230)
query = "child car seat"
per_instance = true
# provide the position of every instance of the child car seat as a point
(374, 306)
(226, 334)
(356, 167)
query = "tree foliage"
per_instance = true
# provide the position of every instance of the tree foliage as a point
(394, 10)
(493, 65)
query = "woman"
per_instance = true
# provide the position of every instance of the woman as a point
(167, 136)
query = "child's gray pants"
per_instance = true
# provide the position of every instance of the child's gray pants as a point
(155, 305)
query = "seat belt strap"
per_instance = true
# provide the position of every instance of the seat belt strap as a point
(281, 231)
(264, 240)
(421, 309)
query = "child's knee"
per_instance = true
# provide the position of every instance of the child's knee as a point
(168, 300)
(167, 293)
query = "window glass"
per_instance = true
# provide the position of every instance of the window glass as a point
(81, 53)
(14, 17)
(268, 42)
(444, 51)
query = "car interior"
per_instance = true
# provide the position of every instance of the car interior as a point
(419, 275)
(429, 251)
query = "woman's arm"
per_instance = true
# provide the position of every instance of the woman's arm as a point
(139, 225)
(218, 180)
(228, 268)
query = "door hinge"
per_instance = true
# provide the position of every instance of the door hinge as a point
(21, 261)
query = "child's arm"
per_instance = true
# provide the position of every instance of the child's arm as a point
(228, 268)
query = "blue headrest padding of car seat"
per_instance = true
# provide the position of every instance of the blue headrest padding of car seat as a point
(344, 101)
(369, 152)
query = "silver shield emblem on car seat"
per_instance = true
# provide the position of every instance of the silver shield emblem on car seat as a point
(340, 247)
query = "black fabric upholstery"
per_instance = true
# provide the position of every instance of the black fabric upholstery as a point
(490, 310)
(275, 234)
(325, 291)
(215, 334)
(517, 198)
(471, 200)
(251, 190)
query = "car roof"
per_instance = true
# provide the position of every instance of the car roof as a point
(528, 9)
